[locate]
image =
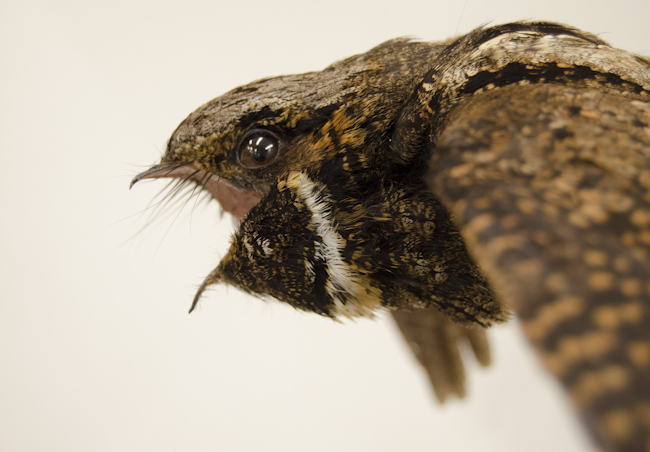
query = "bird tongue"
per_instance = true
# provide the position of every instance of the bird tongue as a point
(235, 201)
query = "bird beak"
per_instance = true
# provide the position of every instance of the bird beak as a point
(174, 170)
(234, 200)
(213, 278)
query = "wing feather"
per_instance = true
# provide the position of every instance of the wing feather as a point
(435, 342)
(550, 188)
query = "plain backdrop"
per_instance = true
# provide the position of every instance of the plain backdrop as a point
(97, 352)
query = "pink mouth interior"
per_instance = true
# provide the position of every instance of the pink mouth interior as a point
(236, 201)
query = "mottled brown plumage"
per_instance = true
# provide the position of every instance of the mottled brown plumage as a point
(383, 180)
(552, 196)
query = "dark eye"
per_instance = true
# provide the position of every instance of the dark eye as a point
(258, 148)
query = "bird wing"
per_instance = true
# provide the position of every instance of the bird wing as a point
(550, 186)
(435, 342)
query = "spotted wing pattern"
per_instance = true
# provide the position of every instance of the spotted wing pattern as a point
(552, 188)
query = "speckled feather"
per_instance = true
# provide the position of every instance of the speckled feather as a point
(551, 193)
(416, 177)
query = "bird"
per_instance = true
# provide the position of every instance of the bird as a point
(457, 184)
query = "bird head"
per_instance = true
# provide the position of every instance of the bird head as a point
(330, 221)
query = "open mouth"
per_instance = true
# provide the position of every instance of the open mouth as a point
(236, 201)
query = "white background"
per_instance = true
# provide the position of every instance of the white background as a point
(97, 352)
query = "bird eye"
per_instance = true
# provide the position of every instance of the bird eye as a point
(258, 148)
